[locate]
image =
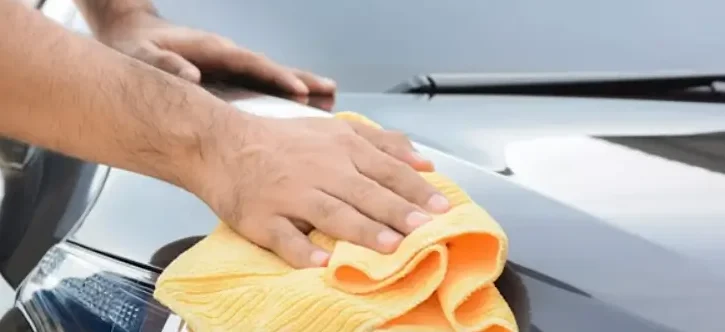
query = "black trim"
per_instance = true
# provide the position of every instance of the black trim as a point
(657, 86)
(116, 257)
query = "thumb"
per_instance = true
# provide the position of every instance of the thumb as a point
(174, 64)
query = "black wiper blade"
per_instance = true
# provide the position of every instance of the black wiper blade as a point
(655, 85)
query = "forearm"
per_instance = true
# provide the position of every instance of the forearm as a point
(73, 95)
(100, 13)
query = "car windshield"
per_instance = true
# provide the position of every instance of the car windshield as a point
(375, 45)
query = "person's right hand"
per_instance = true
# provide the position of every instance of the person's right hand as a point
(349, 180)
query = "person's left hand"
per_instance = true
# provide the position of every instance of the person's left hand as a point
(188, 52)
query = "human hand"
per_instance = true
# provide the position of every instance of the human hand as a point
(188, 52)
(351, 181)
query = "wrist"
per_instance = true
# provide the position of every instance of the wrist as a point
(213, 144)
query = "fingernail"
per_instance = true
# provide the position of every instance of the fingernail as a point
(417, 218)
(319, 258)
(438, 203)
(420, 163)
(389, 239)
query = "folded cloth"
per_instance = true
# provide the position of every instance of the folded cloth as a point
(439, 279)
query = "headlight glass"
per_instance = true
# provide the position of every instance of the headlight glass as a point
(74, 289)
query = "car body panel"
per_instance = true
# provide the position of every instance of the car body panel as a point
(643, 166)
(572, 258)
(40, 206)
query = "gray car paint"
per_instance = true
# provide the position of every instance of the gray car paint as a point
(374, 45)
(625, 268)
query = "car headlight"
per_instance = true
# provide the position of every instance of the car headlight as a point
(74, 289)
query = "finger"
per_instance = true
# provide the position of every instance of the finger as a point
(316, 84)
(376, 201)
(340, 220)
(213, 52)
(241, 61)
(302, 99)
(399, 178)
(325, 103)
(282, 238)
(395, 144)
(174, 64)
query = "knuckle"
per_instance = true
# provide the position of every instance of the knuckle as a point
(275, 239)
(423, 194)
(365, 232)
(363, 191)
(328, 209)
(393, 172)
(165, 60)
(395, 143)
(395, 211)
(358, 229)
(411, 182)
(405, 182)
(143, 52)
(398, 137)
(379, 202)
(418, 190)
(394, 150)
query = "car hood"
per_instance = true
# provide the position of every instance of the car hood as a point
(613, 207)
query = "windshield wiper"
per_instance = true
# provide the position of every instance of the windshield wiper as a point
(706, 87)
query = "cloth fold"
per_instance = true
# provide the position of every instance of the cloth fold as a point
(439, 279)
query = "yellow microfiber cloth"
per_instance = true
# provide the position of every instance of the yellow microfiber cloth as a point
(439, 279)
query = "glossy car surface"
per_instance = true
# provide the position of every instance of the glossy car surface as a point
(372, 46)
(613, 207)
